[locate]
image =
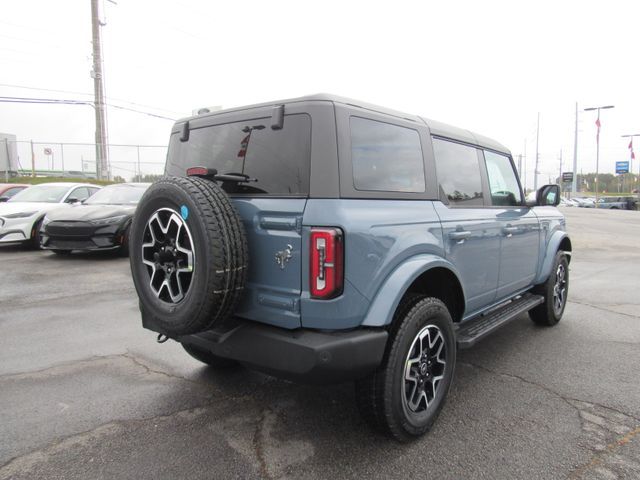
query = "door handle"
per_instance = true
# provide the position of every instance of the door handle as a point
(459, 235)
(509, 231)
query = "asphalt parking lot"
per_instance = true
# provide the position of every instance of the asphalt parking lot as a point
(86, 393)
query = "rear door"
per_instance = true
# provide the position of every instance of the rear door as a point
(471, 231)
(271, 202)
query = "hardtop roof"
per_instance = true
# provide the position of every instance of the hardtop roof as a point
(436, 128)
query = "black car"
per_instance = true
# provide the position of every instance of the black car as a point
(99, 223)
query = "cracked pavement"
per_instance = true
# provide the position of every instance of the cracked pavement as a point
(85, 392)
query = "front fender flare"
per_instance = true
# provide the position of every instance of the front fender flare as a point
(384, 305)
(549, 256)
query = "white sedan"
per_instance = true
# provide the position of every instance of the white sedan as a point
(21, 216)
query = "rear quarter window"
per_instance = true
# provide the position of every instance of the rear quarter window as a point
(278, 160)
(386, 157)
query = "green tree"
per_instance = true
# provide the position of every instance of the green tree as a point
(147, 178)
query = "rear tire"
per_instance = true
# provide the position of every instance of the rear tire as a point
(209, 358)
(555, 291)
(405, 395)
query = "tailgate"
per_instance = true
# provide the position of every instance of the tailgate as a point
(273, 227)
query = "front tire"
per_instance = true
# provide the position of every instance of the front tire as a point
(555, 291)
(123, 251)
(405, 395)
(34, 241)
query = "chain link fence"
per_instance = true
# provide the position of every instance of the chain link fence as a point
(78, 160)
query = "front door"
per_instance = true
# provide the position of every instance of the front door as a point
(519, 226)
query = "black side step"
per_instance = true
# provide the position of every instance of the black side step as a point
(476, 329)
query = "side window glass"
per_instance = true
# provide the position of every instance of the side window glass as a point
(11, 192)
(79, 193)
(458, 173)
(386, 157)
(503, 183)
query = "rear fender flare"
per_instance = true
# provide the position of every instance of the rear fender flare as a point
(386, 302)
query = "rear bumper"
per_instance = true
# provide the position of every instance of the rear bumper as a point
(302, 355)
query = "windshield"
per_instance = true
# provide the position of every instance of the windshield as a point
(41, 193)
(117, 195)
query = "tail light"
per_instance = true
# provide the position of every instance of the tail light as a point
(327, 262)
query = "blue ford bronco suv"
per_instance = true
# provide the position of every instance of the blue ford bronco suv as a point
(322, 239)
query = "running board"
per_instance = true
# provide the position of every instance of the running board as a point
(476, 329)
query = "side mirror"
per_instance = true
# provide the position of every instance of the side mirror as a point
(548, 195)
(72, 200)
(4, 199)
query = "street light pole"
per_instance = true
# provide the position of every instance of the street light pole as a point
(535, 172)
(574, 182)
(598, 143)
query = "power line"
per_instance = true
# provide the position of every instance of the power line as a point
(61, 101)
(29, 27)
(41, 41)
(44, 89)
(113, 99)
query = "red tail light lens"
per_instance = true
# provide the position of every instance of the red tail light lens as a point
(327, 262)
(196, 171)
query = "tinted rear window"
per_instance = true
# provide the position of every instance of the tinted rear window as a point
(277, 159)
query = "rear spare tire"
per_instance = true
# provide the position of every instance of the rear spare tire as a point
(188, 255)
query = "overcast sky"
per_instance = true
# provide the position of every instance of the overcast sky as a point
(489, 66)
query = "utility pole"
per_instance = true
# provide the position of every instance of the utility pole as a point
(139, 172)
(560, 174)
(62, 156)
(574, 183)
(7, 165)
(524, 169)
(33, 161)
(535, 172)
(98, 87)
(598, 143)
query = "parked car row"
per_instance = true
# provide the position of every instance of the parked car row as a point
(617, 203)
(63, 217)
(612, 203)
(8, 190)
